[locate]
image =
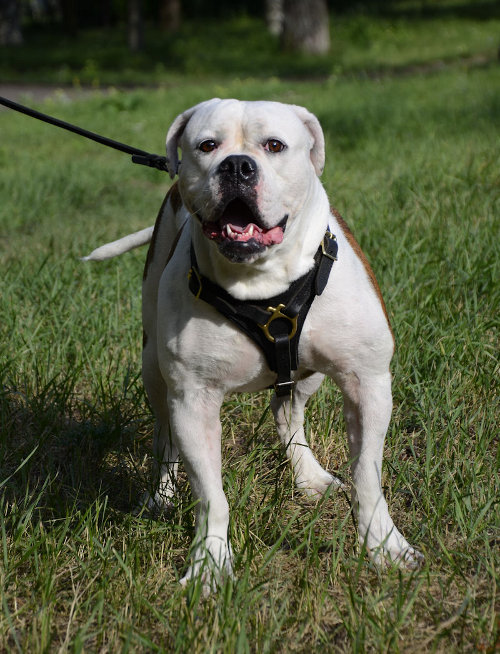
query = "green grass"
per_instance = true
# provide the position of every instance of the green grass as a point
(413, 164)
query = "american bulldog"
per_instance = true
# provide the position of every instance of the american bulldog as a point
(247, 220)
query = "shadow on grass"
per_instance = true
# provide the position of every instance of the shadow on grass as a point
(467, 10)
(102, 57)
(71, 455)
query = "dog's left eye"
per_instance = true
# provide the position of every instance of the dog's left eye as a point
(273, 145)
(207, 146)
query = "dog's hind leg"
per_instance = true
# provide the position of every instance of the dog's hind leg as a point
(310, 477)
(165, 453)
(165, 456)
(367, 410)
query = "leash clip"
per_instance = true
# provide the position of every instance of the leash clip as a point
(151, 160)
(276, 312)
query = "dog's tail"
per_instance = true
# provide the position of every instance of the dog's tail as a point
(115, 248)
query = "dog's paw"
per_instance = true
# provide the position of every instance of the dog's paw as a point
(155, 506)
(407, 559)
(211, 564)
(394, 550)
(311, 478)
(318, 486)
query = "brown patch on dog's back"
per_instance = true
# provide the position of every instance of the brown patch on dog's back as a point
(174, 197)
(360, 254)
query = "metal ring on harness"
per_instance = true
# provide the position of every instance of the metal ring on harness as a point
(277, 313)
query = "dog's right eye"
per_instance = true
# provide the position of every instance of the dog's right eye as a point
(207, 146)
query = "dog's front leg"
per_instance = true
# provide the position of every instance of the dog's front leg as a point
(196, 429)
(367, 410)
(310, 477)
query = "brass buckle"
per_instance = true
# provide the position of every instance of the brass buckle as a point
(198, 278)
(331, 236)
(277, 313)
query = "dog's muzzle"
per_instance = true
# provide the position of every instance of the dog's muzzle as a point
(239, 232)
(236, 225)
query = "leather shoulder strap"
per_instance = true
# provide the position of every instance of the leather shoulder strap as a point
(274, 324)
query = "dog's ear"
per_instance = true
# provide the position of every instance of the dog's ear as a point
(175, 132)
(318, 145)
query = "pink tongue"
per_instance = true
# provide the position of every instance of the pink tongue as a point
(269, 237)
(272, 236)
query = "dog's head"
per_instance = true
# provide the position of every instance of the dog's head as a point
(247, 169)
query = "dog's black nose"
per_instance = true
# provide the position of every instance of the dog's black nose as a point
(240, 168)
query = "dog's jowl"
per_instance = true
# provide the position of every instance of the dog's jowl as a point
(252, 281)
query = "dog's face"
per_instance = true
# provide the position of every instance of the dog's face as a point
(247, 169)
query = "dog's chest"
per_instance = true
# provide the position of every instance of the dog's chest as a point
(196, 345)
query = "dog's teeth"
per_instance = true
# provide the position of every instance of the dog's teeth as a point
(250, 230)
(229, 230)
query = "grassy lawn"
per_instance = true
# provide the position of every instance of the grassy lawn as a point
(413, 164)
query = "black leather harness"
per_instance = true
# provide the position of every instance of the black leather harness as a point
(274, 324)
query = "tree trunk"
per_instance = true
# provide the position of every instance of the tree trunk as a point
(274, 16)
(306, 27)
(170, 15)
(10, 25)
(135, 27)
(69, 17)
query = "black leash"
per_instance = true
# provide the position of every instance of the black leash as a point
(138, 156)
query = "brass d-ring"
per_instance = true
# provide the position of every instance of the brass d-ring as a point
(276, 312)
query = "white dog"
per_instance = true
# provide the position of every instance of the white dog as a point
(245, 243)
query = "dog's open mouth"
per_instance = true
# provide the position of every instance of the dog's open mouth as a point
(239, 224)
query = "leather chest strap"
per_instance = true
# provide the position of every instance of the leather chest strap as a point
(274, 324)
